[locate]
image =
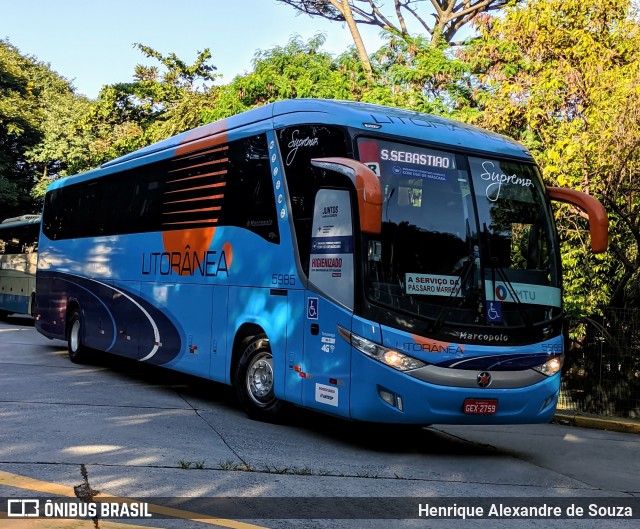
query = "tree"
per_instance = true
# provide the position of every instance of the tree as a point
(298, 69)
(418, 61)
(449, 15)
(128, 116)
(37, 138)
(345, 10)
(422, 77)
(563, 76)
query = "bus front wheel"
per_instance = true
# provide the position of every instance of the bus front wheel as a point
(254, 380)
(78, 352)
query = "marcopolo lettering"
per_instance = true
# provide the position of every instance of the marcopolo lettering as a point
(186, 263)
(484, 337)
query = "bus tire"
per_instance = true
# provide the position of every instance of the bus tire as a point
(254, 380)
(78, 352)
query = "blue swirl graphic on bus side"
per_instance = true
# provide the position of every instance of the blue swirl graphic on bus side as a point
(117, 320)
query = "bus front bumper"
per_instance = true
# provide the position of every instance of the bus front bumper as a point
(382, 394)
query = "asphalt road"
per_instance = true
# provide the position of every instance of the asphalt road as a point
(137, 431)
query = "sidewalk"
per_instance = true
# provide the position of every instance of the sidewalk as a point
(583, 420)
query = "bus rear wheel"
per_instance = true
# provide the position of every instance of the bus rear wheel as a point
(254, 380)
(78, 352)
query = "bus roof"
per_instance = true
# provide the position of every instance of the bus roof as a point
(22, 220)
(382, 119)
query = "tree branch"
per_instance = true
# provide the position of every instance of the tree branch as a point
(345, 8)
(403, 25)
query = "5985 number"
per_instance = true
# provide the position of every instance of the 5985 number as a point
(288, 280)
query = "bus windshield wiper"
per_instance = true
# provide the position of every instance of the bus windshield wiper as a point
(446, 308)
(386, 209)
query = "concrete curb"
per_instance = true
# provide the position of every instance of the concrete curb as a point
(597, 423)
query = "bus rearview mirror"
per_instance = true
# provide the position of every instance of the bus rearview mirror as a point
(598, 220)
(367, 188)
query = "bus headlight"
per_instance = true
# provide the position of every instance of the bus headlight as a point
(390, 357)
(551, 366)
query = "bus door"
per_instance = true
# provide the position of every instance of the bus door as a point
(329, 304)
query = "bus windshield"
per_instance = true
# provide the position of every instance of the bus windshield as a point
(465, 240)
(18, 238)
(18, 260)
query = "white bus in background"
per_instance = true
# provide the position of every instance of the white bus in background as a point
(18, 262)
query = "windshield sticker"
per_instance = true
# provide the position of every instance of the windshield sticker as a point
(494, 311)
(413, 172)
(529, 294)
(442, 285)
(331, 256)
(498, 179)
(375, 167)
(417, 158)
(432, 285)
(338, 245)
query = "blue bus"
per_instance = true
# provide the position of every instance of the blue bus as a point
(368, 262)
(18, 260)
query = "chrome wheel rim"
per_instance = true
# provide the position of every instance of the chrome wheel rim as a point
(260, 379)
(74, 336)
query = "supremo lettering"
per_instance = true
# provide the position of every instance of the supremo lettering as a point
(497, 179)
(186, 263)
(416, 158)
(296, 143)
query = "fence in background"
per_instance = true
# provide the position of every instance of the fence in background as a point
(602, 374)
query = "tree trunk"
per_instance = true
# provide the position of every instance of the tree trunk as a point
(345, 9)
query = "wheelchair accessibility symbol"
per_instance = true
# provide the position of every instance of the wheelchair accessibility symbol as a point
(494, 311)
(312, 308)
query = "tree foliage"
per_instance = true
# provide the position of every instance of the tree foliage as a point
(563, 76)
(392, 16)
(423, 77)
(299, 69)
(38, 112)
(131, 115)
(18, 127)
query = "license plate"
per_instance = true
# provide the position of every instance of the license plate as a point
(480, 406)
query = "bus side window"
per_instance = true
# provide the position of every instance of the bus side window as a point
(249, 182)
(298, 146)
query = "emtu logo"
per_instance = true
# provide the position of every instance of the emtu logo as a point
(501, 292)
